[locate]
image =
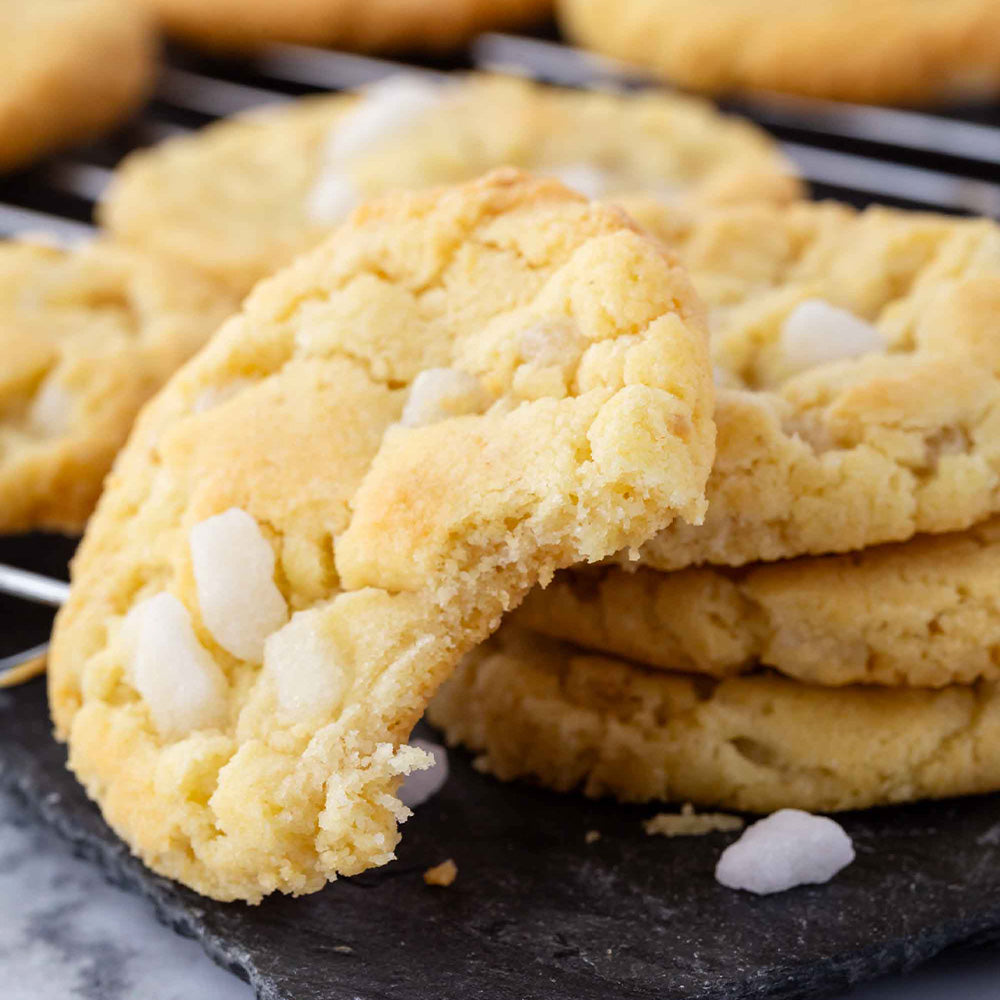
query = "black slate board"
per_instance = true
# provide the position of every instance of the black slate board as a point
(537, 913)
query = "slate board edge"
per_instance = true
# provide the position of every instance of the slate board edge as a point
(25, 777)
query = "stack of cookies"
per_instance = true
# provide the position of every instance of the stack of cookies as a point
(461, 393)
(738, 662)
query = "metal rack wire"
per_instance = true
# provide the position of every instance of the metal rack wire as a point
(947, 161)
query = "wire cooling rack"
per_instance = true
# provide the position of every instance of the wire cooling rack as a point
(947, 161)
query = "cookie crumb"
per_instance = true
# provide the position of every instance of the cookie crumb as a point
(592, 836)
(343, 949)
(688, 823)
(443, 874)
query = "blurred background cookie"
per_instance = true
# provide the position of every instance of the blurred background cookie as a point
(71, 68)
(366, 26)
(878, 51)
(241, 198)
(86, 337)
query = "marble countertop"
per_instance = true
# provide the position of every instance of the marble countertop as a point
(68, 935)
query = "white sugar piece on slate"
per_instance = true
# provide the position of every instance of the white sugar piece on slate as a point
(816, 333)
(419, 786)
(234, 574)
(179, 681)
(439, 393)
(788, 848)
(590, 181)
(303, 663)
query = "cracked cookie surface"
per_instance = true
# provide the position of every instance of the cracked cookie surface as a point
(71, 68)
(241, 198)
(546, 711)
(458, 393)
(87, 335)
(922, 613)
(859, 377)
(885, 51)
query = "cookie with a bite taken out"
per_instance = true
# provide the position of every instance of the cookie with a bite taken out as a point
(458, 393)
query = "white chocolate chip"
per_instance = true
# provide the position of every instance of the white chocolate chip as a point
(556, 342)
(550, 351)
(816, 333)
(439, 393)
(51, 409)
(303, 664)
(332, 196)
(383, 108)
(216, 395)
(178, 680)
(590, 181)
(234, 574)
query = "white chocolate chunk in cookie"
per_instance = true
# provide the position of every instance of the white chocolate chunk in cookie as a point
(384, 108)
(332, 196)
(439, 393)
(308, 676)
(552, 343)
(590, 181)
(550, 352)
(216, 395)
(815, 333)
(234, 573)
(51, 410)
(180, 683)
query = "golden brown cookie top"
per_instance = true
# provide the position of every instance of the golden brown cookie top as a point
(858, 367)
(458, 393)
